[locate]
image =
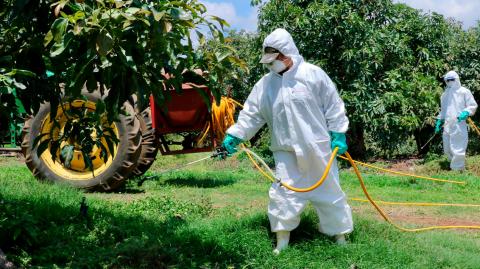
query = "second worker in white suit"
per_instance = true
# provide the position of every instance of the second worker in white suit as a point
(457, 104)
(307, 119)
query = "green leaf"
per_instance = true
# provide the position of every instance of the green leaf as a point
(66, 155)
(104, 153)
(42, 147)
(157, 16)
(127, 59)
(58, 29)
(222, 56)
(16, 233)
(59, 47)
(110, 144)
(100, 107)
(221, 21)
(48, 38)
(37, 139)
(87, 160)
(22, 72)
(104, 43)
(54, 145)
(132, 10)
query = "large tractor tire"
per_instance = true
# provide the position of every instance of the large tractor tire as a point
(149, 143)
(106, 176)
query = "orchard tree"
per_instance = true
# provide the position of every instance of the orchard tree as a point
(386, 60)
(467, 63)
(467, 58)
(239, 78)
(117, 47)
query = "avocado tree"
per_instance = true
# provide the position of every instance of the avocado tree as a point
(101, 52)
(386, 60)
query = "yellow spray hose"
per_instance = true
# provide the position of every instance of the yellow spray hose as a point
(364, 188)
(226, 107)
(403, 174)
(379, 202)
(474, 127)
(273, 180)
(222, 118)
(314, 186)
(386, 218)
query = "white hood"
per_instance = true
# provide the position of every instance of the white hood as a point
(281, 40)
(455, 84)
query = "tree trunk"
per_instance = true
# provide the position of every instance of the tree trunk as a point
(421, 138)
(356, 142)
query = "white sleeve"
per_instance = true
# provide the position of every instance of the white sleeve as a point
(249, 120)
(441, 114)
(333, 107)
(470, 104)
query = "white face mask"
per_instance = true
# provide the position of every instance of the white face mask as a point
(276, 66)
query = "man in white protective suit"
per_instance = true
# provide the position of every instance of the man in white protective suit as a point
(306, 116)
(457, 104)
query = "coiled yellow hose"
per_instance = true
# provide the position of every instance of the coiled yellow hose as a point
(222, 118)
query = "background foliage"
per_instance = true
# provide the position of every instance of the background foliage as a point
(119, 47)
(386, 59)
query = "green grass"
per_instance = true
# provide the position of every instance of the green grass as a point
(213, 215)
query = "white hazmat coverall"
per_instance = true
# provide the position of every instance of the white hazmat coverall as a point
(300, 107)
(454, 100)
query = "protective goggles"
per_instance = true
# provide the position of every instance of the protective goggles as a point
(269, 55)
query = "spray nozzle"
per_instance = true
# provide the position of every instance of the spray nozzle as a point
(220, 152)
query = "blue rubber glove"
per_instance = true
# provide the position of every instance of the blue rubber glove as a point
(463, 116)
(49, 73)
(438, 125)
(339, 140)
(230, 143)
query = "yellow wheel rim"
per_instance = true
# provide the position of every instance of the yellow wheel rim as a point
(77, 170)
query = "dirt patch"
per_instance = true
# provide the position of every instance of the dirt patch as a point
(418, 216)
(400, 165)
(407, 166)
(8, 161)
(434, 220)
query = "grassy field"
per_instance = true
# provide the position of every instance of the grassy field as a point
(213, 215)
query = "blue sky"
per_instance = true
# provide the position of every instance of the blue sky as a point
(241, 15)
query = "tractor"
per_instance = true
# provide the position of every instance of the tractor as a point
(183, 125)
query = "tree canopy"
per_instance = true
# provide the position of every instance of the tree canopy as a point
(127, 47)
(55, 50)
(386, 59)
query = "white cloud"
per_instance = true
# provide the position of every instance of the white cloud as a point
(228, 12)
(465, 11)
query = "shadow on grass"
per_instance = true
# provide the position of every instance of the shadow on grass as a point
(306, 231)
(156, 232)
(187, 181)
(192, 181)
(50, 234)
(127, 189)
(444, 165)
